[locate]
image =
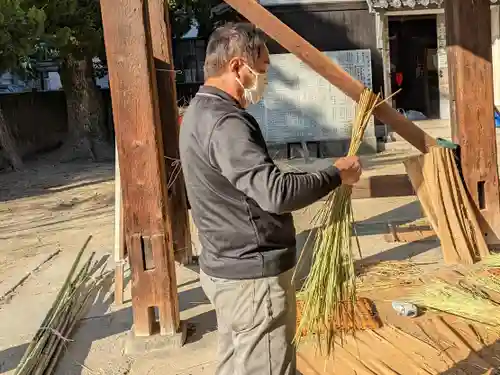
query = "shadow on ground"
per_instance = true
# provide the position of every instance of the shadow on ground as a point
(404, 251)
(97, 325)
(43, 177)
(101, 324)
(378, 224)
(200, 324)
(478, 362)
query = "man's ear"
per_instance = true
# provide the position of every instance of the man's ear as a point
(235, 66)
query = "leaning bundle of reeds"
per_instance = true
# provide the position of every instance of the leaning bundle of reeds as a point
(70, 305)
(437, 180)
(330, 288)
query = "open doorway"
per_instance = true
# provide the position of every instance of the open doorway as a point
(414, 70)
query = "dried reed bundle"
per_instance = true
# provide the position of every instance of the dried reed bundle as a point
(487, 280)
(459, 300)
(493, 260)
(330, 289)
(70, 305)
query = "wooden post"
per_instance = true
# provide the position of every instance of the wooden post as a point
(143, 178)
(473, 127)
(383, 45)
(167, 98)
(495, 38)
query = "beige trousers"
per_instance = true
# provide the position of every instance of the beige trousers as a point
(256, 324)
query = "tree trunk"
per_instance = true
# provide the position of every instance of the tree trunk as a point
(8, 144)
(86, 112)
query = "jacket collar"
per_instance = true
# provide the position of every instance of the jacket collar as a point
(220, 93)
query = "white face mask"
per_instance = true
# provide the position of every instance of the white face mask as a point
(255, 93)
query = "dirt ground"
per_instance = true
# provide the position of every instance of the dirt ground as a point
(48, 211)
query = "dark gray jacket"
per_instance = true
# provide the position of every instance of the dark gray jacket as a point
(240, 200)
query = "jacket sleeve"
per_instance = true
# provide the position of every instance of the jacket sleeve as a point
(236, 149)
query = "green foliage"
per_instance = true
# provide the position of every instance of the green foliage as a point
(183, 14)
(75, 26)
(49, 29)
(20, 30)
(72, 27)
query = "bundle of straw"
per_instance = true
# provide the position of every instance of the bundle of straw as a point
(487, 280)
(330, 288)
(70, 305)
(493, 260)
(459, 300)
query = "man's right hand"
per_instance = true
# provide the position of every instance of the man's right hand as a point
(350, 169)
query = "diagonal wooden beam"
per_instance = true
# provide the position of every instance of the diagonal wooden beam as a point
(324, 66)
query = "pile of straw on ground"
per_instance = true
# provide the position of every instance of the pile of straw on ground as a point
(474, 296)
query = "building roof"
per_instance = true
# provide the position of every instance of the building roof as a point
(397, 4)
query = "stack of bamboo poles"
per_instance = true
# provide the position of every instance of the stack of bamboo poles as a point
(441, 192)
(70, 305)
(328, 297)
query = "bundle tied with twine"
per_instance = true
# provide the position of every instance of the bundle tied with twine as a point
(73, 301)
(328, 296)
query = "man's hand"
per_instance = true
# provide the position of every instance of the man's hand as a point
(350, 169)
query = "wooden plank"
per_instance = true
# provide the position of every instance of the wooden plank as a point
(140, 148)
(319, 62)
(409, 233)
(339, 6)
(397, 185)
(495, 38)
(471, 75)
(119, 253)
(167, 96)
(442, 194)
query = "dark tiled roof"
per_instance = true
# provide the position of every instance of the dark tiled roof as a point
(385, 4)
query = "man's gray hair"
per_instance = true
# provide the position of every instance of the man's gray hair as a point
(232, 40)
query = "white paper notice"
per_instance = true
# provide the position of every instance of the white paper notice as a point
(300, 105)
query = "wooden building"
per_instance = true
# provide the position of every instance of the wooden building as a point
(189, 56)
(411, 35)
(407, 41)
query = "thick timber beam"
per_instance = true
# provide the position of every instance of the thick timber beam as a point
(468, 29)
(139, 137)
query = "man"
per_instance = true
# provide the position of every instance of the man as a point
(241, 204)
